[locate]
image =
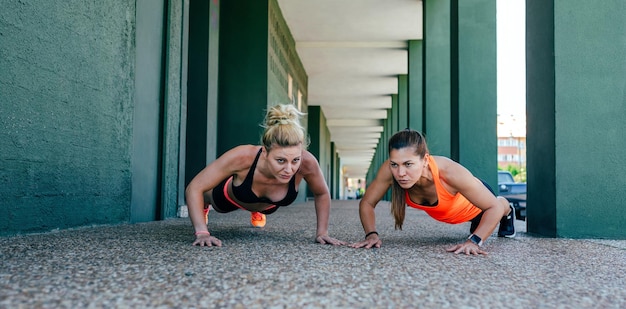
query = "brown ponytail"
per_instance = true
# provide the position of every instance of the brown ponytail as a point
(398, 203)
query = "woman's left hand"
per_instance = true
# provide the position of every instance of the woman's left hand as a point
(468, 247)
(325, 239)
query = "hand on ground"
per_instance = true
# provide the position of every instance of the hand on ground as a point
(325, 239)
(203, 240)
(468, 247)
(370, 242)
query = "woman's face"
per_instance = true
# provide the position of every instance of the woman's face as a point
(284, 162)
(406, 166)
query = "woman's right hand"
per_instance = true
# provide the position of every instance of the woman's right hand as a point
(369, 242)
(207, 240)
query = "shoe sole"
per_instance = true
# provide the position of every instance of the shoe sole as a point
(262, 224)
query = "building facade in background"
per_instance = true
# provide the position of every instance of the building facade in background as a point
(512, 142)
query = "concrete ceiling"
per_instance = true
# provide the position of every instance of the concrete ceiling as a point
(353, 52)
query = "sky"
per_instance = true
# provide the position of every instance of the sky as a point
(511, 49)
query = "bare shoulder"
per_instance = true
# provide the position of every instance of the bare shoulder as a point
(240, 157)
(441, 159)
(449, 170)
(309, 163)
(444, 163)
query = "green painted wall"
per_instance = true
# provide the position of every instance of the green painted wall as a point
(172, 185)
(335, 179)
(243, 85)
(67, 94)
(197, 90)
(589, 109)
(146, 147)
(284, 63)
(540, 118)
(202, 83)
(476, 89)
(387, 133)
(591, 99)
(256, 57)
(257, 53)
(459, 83)
(584, 94)
(416, 85)
(403, 102)
(314, 116)
(394, 114)
(437, 76)
(320, 145)
(213, 78)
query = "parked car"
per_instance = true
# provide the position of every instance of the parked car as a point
(513, 191)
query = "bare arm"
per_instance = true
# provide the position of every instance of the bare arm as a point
(459, 179)
(312, 174)
(231, 162)
(374, 193)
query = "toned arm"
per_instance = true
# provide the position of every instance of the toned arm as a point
(312, 174)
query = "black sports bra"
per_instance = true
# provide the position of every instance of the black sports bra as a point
(244, 192)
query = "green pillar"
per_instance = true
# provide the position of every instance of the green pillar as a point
(415, 87)
(202, 78)
(476, 91)
(256, 59)
(376, 159)
(394, 115)
(388, 132)
(403, 102)
(335, 172)
(243, 72)
(575, 118)
(459, 52)
(314, 115)
(437, 75)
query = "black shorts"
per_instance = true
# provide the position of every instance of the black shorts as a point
(222, 204)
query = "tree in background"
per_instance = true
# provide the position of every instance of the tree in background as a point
(519, 174)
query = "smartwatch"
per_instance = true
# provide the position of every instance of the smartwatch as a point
(475, 239)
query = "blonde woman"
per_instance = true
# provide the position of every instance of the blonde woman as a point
(444, 189)
(261, 178)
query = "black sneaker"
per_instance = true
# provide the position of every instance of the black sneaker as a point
(507, 225)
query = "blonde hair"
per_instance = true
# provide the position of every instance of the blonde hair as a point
(404, 139)
(283, 128)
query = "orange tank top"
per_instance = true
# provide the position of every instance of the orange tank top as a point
(450, 208)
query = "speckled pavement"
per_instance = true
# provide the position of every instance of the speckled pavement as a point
(153, 265)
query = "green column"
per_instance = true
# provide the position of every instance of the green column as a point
(394, 114)
(403, 102)
(476, 98)
(243, 77)
(415, 87)
(314, 115)
(575, 118)
(437, 122)
(389, 131)
(335, 172)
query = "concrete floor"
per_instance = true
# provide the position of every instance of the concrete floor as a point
(153, 265)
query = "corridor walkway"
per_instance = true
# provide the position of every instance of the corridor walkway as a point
(153, 265)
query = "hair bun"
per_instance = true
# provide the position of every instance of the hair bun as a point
(282, 126)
